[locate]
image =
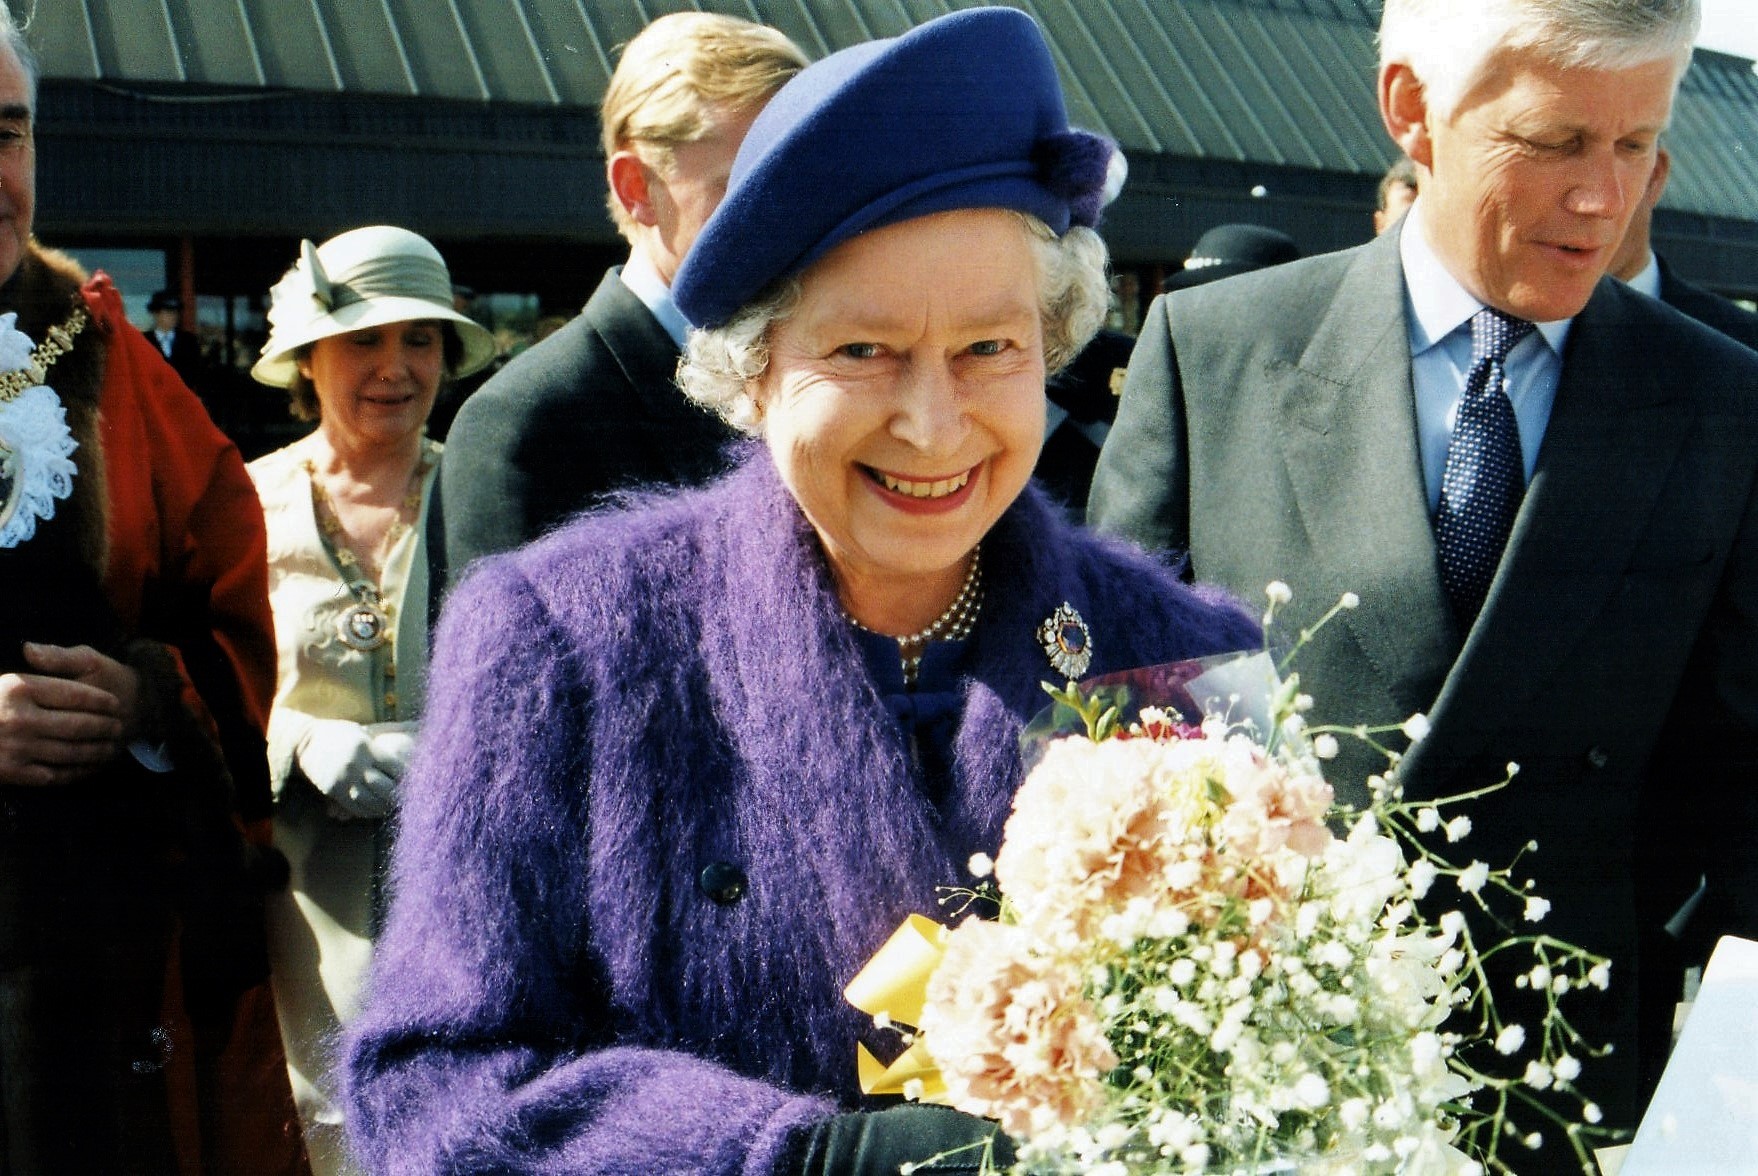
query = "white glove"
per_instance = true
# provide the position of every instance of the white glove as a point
(337, 757)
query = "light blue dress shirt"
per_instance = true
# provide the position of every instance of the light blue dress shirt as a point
(645, 283)
(1439, 311)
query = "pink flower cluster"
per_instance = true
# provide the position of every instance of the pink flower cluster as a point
(1015, 1039)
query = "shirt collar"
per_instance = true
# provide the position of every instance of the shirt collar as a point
(1439, 305)
(644, 282)
(1648, 281)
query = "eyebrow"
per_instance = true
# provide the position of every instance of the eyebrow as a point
(15, 111)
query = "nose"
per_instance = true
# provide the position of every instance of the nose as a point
(928, 415)
(393, 362)
(1604, 187)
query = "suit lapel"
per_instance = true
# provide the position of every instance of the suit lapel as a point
(1611, 440)
(1352, 459)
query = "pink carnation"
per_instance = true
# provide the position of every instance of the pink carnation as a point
(1089, 831)
(1015, 1039)
(1272, 809)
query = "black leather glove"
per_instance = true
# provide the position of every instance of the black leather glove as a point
(878, 1143)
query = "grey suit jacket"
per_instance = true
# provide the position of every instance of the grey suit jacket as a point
(589, 411)
(1267, 428)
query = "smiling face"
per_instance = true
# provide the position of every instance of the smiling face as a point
(904, 403)
(1535, 175)
(375, 386)
(18, 163)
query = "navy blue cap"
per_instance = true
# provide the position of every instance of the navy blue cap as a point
(962, 112)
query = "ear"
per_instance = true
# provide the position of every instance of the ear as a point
(1404, 110)
(628, 177)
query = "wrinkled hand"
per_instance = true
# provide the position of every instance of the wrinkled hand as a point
(69, 719)
(355, 765)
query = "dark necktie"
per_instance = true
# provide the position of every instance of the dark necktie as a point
(1485, 476)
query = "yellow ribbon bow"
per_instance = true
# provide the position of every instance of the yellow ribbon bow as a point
(894, 984)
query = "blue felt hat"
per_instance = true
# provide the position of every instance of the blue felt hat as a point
(962, 112)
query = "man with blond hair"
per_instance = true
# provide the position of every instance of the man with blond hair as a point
(592, 409)
(1541, 485)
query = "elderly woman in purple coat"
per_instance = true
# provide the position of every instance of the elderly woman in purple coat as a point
(688, 764)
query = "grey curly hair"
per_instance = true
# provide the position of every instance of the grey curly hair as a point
(719, 366)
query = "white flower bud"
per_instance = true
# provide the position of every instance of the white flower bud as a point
(1348, 601)
(1325, 746)
(981, 865)
(1415, 727)
(1278, 592)
(1510, 1039)
(1536, 908)
(1458, 828)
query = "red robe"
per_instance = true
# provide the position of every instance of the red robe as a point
(170, 523)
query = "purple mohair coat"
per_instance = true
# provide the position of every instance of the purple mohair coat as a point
(620, 705)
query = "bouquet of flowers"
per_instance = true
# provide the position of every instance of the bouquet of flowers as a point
(1200, 964)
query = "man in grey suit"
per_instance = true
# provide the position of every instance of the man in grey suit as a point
(592, 409)
(1383, 420)
(1638, 265)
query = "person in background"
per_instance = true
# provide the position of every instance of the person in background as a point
(686, 766)
(1082, 404)
(181, 349)
(1540, 484)
(362, 335)
(592, 409)
(1637, 264)
(1227, 250)
(1397, 192)
(136, 665)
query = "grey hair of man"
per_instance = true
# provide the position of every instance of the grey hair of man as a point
(1450, 44)
(719, 365)
(13, 38)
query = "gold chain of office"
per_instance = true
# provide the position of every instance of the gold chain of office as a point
(58, 342)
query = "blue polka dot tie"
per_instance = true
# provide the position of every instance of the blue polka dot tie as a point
(1485, 477)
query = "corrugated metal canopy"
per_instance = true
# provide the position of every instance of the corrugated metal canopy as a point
(1277, 83)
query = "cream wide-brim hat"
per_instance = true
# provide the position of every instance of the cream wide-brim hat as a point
(366, 277)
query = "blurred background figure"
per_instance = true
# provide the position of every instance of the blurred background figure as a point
(1227, 250)
(1082, 405)
(1397, 192)
(181, 349)
(593, 409)
(362, 336)
(1637, 264)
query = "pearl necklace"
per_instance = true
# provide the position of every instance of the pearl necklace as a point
(955, 624)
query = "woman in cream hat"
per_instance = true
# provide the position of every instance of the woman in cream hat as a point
(362, 334)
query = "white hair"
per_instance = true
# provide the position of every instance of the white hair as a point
(720, 365)
(1448, 44)
(12, 36)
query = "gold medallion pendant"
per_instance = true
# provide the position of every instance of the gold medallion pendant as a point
(363, 627)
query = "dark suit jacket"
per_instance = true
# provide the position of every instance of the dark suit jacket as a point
(590, 410)
(1268, 427)
(185, 358)
(1708, 307)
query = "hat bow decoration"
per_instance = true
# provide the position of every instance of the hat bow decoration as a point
(1085, 169)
